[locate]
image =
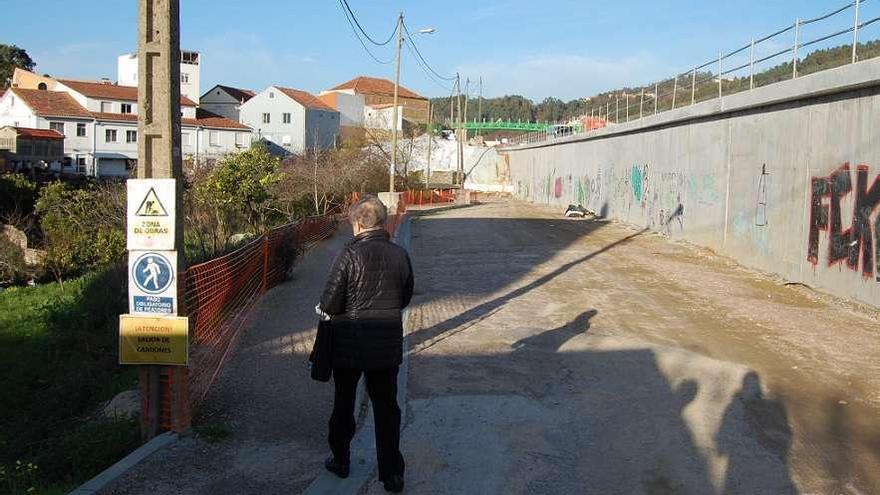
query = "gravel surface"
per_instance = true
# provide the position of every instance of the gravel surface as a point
(553, 355)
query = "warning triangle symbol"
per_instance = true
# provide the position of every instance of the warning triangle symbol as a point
(151, 206)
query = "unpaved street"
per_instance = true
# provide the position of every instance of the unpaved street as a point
(551, 355)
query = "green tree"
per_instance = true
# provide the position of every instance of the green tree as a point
(239, 190)
(83, 228)
(11, 57)
(17, 195)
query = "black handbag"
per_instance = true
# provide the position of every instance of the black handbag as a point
(322, 353)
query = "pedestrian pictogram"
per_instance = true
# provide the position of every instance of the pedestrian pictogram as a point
(152, 273)
(151, 206)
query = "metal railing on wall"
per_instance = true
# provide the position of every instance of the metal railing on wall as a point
(732, 72)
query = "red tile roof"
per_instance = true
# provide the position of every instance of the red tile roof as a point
(38, 133)
(61, 104)
(306, 99)
(238, 93)
(110, 91)
(51, 103)
(375, 86)
(205, 118)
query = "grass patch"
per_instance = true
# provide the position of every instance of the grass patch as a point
(59, 360)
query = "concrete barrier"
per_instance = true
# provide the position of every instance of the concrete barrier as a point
(782, 178)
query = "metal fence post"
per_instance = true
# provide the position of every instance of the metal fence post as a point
(720, 74)
(855, 56)
(656, 96)
(674, 90)
(752, 65)
(627, 107)
(607, 110)
(641, 103)
(265, 263)
(616, 109)
(794, 50)
(694, 86)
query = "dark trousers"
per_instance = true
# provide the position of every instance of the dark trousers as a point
(382, 389)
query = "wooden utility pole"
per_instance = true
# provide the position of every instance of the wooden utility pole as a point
(159, 157)
(395, 114)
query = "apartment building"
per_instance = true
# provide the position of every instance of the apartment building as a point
(291, 120)
(99, 123)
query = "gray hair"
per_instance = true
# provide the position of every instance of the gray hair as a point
(369, 213)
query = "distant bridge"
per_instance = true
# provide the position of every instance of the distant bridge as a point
(509, 125)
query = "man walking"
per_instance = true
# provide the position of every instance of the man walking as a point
(370, 282)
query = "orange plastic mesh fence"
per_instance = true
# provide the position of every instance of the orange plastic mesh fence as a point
(220, 292)
(429, 196)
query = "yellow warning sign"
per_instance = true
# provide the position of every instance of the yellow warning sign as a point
(151, 206)
(153, 340)
(151, 214)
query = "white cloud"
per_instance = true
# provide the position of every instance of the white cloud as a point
(565, 76)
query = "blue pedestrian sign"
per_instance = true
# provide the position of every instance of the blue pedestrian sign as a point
(152, 284)
(152, 273)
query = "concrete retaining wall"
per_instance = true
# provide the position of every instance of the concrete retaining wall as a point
(783, 178)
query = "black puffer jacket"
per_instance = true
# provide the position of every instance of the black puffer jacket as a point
(370, 282)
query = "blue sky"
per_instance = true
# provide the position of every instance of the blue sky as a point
(562, 48)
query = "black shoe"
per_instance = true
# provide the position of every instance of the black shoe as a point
(337, 468)
(394, 484)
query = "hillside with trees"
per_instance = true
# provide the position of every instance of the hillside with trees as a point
(520, 108)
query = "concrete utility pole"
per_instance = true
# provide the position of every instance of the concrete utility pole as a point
(480, 107)
(458, 145)
(159, 157)
(430, 144)
(395, 116)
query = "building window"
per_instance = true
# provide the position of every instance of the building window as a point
(286, 118)
(67, 162)
(285, 140)
(80, 130)
(110, 135)
(185, 139)
(125, 108)
(131, 136)
(81, 165)
(57, 126)
(106, 107)
(266, 118)
(184, 78)
(240, 139)
(214, 138)
(271, 94)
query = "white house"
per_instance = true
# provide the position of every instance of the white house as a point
(292, 120)
(99, 122)
(190, 73)
(225, 101)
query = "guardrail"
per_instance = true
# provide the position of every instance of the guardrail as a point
(729, 73)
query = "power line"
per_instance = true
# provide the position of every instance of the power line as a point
(427, 72)
(363, 31)
(419, 55)
(358, 36)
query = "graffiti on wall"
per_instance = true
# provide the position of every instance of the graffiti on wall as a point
(859, 245)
